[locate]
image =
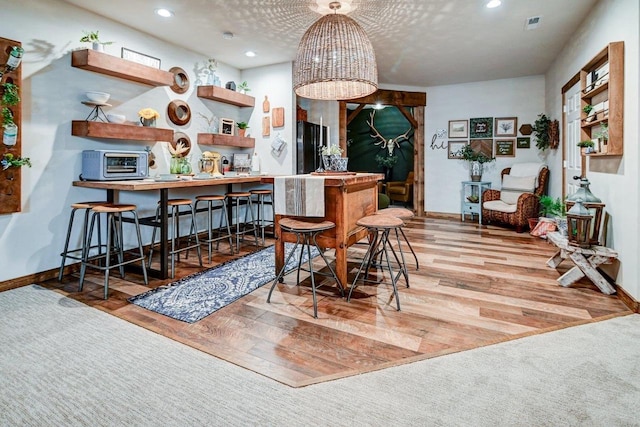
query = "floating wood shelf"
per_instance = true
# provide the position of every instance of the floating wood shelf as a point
(103, 63)
(228, 140)
(220, 94)
(118, 131)
(596, 90)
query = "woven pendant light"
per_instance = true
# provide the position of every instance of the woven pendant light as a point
(335, 60)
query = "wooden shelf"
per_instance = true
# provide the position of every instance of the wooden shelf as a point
(227, 140)
(118, 131)
(103, 63)
(220, 94)
(611, 93)
(596, 91)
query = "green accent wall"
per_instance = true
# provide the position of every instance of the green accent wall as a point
(361, 150)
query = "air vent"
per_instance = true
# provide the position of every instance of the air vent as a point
(532, 23)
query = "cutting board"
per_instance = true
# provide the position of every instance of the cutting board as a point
(266, 126)
(277, 117)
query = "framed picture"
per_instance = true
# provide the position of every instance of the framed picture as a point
(227, 126)
(523, 142)
(506, 126)
(140, 58)
(454, 149)
(481, 127)
(505, 147)
(458, 129)
(484, 146)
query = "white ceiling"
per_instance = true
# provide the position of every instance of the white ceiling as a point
(417, 42)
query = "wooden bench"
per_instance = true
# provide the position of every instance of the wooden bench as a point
(586, 261)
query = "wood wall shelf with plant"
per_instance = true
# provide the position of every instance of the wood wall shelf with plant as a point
(220, 94)
(119, 131)
(11, 107)
(226, 140)
(103, 63)
(602, 84)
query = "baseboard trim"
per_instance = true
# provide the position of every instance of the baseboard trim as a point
(443, 215)
(30, 279)
(627, 299)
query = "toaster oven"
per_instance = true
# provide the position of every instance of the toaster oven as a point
(107, 165)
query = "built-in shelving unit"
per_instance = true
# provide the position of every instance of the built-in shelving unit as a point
(220, 94)
(103, 63)
(602, 85)
(119, 131)
(226, 140)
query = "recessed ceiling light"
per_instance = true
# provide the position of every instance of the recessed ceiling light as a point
(250, 53)
(494, 3)
(165, 13)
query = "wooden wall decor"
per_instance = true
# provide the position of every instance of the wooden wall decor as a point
(180, 80)
(11, 179)
(179, 112)
(277, 117)
(266, 126)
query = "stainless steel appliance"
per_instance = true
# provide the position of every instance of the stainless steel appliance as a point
(308, 157)
(109, 165)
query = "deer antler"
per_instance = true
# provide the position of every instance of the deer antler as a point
(377, 134)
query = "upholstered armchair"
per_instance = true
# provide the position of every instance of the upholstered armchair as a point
(401, 191)
(517, 200)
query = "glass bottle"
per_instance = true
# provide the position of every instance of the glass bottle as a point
(13, 62)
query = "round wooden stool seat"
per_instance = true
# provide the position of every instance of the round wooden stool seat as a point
(211, 197)
(114, 208)
(86, 205)
(402, 213)
(298, 226)
(265, 192)
(380, 221)
(178, 202)
(239, 194)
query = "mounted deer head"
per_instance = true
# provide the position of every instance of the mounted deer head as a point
(391, 143)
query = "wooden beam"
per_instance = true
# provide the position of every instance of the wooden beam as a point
(392, 97)
(355, 112)
(408, 116)
(342, 125)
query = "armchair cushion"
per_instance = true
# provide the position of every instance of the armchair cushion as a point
(500, 206)
(514, 186)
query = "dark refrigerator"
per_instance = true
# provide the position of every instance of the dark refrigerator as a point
(307, 147)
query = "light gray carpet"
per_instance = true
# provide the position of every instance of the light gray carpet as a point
(63, 363)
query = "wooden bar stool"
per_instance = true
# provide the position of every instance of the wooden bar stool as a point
(262, 222)
(379, 227)
(84, 245)
(174, 215)
(306, 235)
(242, 228)
(115, 237)
(403, 214)
(210, 200)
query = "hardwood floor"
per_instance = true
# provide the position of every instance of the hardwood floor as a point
(475, 287)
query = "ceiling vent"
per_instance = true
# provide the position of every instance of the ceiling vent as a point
(532, 23)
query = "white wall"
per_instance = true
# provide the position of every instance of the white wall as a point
(52, 90)
(275, 82)
(522, 98)
(616, 181)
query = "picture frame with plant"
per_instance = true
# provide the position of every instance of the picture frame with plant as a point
(467, 153)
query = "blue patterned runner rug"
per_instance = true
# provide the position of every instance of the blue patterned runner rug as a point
(198, 295)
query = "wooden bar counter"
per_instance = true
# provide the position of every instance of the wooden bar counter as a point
(347, 199)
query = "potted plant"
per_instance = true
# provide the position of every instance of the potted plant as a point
(586, 146)
(603, 137)
(541, 129)
(10, 98)
(11, 161)
(588, 109)
(555, 209)
(93, 38)
(386, 163)
(243, 87)
(476, 161)
(242, 128)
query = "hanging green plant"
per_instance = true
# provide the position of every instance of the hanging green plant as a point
(11, 161)
(7, 117)
(10, 94)
(541, 128)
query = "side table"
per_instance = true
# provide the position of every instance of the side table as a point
(585, 259)
(473, 188)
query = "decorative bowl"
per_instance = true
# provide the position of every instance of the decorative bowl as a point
(116, 118)
(98, 97)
